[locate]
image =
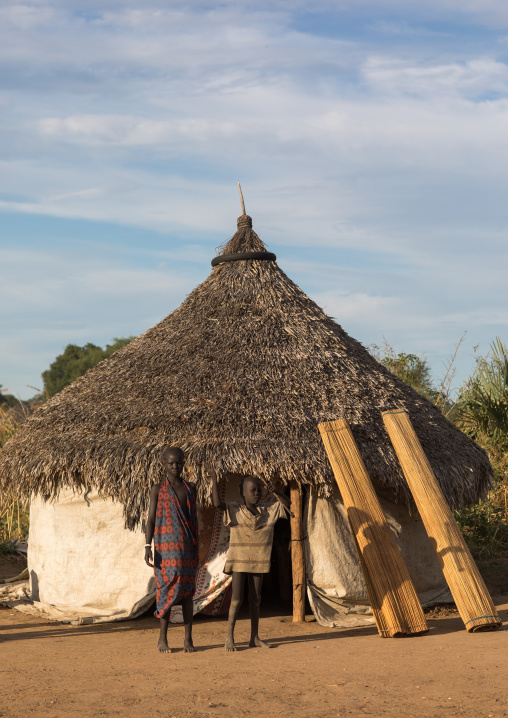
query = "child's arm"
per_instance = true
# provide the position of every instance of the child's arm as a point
(280, 496)
(150, 523)
(210, 472)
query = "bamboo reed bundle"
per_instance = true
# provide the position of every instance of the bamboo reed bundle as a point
(392, 596)
(466, 584)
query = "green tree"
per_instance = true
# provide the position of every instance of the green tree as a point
(482, 409)
(117, 344)
(411, 368)
(75, 361)
(8, 399)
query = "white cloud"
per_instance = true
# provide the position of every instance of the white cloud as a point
(48, 279)
(59, 297)
(474, 78)
(356, 307)
(130, 130)
(26, 16)
(187, 43)
(146, 115)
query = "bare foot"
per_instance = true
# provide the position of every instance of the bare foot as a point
(188, 646)
(163, 646)
(230, 645)
(256, 642)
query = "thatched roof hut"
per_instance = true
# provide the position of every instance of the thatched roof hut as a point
(240, 375)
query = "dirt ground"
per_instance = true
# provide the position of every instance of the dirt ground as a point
(11, 565)
(53, 670)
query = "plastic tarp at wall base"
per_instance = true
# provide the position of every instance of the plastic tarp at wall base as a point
(18, 596)
(335, 585)
(84, 565)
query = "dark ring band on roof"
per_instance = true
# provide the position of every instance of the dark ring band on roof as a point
(243, 255)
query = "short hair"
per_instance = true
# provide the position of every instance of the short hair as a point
(246, 478)
(172, 449)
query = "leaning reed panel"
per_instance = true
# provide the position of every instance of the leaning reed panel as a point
(392, 596)
(466, 584)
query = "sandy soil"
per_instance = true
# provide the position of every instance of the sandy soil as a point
(53, 670)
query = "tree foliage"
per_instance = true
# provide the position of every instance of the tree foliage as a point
(411, 368)
(482, 412)
(482, 409)
(7, 399)
(75, 361)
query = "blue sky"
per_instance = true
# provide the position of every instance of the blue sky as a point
(370, 137)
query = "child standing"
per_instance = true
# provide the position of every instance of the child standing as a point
(172, 523)
(251, 524)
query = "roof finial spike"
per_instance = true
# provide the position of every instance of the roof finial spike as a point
(241, 198)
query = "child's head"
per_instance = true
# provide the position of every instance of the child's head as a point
(173, 460)
(250, 490)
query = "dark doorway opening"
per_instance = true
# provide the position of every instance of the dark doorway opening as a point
(278, 584)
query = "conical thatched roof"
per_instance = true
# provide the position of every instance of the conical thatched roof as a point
(240, 374)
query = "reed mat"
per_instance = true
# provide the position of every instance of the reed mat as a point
(392, 596)
(467, 587)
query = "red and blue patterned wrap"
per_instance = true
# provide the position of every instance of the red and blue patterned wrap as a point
(176, 548)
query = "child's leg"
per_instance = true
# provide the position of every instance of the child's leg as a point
(255, 583)
(163, 637)
(187, 612)
(236, 602)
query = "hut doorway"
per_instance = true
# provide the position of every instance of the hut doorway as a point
(277, 589)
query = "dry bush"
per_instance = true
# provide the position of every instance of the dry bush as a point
(14, 518)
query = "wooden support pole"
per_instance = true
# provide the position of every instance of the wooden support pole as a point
(297, 555)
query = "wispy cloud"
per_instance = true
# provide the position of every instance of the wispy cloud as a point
(474, 79)
(58, 297)
(370, 138)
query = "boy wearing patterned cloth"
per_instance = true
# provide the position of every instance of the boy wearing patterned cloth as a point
(250, 546)
(172, 523)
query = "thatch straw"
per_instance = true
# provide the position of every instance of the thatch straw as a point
(466, 584)
(392, 596)
(239, 375)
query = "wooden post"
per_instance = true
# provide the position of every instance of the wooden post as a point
(297, 555)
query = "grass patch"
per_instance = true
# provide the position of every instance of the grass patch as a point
(14, 521)
(494, 572)
(6, 548)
